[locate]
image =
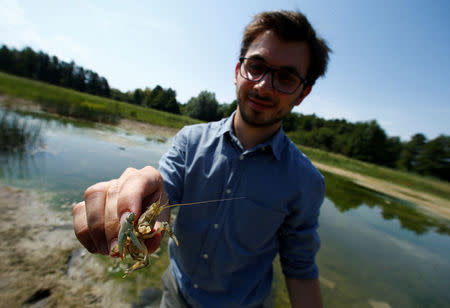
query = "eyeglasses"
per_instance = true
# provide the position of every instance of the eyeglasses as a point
(283, 79)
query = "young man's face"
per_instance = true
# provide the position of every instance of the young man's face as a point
(258, 102)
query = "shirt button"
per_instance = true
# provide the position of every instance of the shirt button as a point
(205, 256)
(216, 226)
(195, 286)
(228, 191)
(241, 157)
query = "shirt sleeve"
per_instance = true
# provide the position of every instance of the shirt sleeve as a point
(172, 167)
(299, 240)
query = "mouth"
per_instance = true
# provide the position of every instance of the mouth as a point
(259, 104)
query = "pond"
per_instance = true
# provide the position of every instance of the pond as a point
(376, 251)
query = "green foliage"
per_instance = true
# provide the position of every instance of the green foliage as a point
(228, 109)
(73, 103)
(39, 66)
(410, 151)
(367, 141)
(434, 159)
(161, 99)
(290, 122)
(203, 107)
(402, 178)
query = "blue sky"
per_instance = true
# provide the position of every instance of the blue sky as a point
(390, 59)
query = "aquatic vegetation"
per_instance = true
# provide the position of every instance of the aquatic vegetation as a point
(18, 136)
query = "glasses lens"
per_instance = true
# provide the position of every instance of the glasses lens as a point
(253, 70)
(285, 81)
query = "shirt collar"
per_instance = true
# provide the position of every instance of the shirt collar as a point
(276, 142)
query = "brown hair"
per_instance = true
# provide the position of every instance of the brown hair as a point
(290, 26)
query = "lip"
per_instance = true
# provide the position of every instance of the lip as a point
(259, 105)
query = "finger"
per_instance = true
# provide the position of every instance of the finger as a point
(95, 197)
(135, 186)
(154, 242)
(81, 228)
(112, 225)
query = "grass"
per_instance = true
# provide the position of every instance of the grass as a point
(407, 179)
(81, 105)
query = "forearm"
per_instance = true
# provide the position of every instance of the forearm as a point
(304, 293)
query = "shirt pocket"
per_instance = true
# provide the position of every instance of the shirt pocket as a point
(254, 227)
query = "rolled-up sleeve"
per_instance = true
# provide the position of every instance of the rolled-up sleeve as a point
(299, 240)
(172, 167)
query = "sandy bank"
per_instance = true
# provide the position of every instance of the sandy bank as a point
(41, 262)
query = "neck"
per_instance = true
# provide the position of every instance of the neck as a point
(250, 135)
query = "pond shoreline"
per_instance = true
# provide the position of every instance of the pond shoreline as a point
(428, 203)
(44, 264)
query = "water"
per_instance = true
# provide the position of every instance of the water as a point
(76, 155)
(375, 249)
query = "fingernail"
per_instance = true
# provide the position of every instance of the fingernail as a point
(124, 216)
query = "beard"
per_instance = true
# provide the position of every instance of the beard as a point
(250, 116)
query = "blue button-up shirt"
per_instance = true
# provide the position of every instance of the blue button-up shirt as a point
(227, 248)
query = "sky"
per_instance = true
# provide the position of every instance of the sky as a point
(390, 60)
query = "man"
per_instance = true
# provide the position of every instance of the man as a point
(227, 248)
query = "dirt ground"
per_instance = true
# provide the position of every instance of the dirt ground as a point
(41, 262)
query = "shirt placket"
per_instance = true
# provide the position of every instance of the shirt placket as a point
(214, 235)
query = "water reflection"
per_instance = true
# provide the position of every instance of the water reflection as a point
(347, 195)
(18, 136)
(76, 155)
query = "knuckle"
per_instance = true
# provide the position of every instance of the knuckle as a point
(100, 187)
(129, 171)
(113, 188)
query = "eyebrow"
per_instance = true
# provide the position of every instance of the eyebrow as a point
(286, 67)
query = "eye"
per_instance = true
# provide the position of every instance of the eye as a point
(255, 68)
(287, 78)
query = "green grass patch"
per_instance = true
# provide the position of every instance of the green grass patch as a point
(411, 180)
(68, 102)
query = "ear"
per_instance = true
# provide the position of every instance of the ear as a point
(236, 72)
(305, 92)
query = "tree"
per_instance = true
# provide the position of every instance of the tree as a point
(410, 152)
(138, 97)
(92, 82)
(7, 60)
(290, 122)
(368, 141)
(170, 103)
(434, 159)
(203, 107)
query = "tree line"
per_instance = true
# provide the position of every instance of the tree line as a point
(40, 66)
(365, 141)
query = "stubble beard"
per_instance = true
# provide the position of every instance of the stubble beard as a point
(253, 121)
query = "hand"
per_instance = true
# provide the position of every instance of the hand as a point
(97, 219)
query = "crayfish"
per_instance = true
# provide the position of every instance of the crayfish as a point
(131, 238)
